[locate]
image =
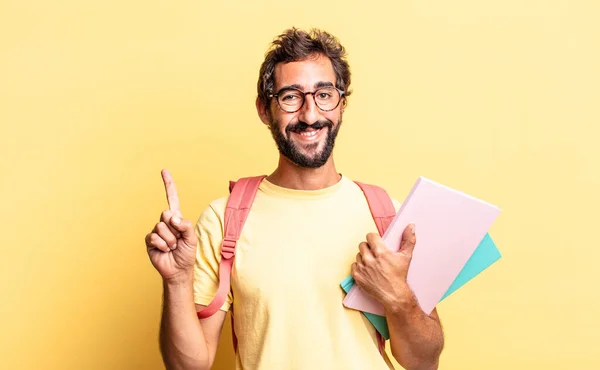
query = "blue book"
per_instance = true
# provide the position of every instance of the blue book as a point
(483, 257)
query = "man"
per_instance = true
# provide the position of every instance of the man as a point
(300, 240)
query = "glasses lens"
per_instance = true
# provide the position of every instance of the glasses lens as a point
(290, 100)
(327, 98)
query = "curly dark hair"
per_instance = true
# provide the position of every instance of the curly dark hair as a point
(296, 45)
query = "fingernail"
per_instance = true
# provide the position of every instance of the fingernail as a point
(412, 228)
(176, 220)
(168, 250)
(174, 247)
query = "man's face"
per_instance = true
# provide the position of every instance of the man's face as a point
(305, 137)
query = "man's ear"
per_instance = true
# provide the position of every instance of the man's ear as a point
(263, 111)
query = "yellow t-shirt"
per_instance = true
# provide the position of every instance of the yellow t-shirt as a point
(295, 249)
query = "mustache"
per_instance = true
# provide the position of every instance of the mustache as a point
(303, 126)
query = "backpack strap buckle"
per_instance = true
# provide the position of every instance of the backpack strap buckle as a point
(228, 248)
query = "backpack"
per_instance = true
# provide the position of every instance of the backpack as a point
(242, 194)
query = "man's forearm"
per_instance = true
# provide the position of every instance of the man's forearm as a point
(416, 339)
(182, 342)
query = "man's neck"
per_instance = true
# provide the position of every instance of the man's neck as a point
(291, 176)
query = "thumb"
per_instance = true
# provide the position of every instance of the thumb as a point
(409, 240)
(186, 229)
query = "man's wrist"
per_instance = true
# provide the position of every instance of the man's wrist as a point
(402, 303)
(182, 280)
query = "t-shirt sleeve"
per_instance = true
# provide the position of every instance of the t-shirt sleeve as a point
(209, 230)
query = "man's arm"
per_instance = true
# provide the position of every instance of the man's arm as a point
(416, 339)
(185, 341)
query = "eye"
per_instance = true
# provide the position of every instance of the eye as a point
(290, 96)
(325, 94)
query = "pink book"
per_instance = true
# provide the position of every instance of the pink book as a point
(449, 227)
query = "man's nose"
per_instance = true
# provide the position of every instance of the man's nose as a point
(309, 112)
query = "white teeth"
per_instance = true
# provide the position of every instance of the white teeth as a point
(309, 133)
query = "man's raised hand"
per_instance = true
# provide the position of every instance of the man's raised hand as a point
(172, 243)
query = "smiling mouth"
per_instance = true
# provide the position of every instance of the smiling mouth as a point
(309, 133)
(308, 136)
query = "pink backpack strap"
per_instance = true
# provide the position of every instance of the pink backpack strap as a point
(383, 212)
(380, 204)
(239, 203)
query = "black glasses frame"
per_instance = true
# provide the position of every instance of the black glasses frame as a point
(276, 96)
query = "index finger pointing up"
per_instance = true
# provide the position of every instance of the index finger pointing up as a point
(171, 190)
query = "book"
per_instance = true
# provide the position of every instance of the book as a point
(449, 227)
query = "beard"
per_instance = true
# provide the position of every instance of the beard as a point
(311, 156)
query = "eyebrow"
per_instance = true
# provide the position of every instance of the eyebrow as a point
(318, 85)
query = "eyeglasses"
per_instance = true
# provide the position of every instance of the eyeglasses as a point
(292, 100)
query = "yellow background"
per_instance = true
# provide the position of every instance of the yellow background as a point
(499, 99)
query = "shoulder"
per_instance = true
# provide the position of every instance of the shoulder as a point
(397, 204)
(212, 215)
